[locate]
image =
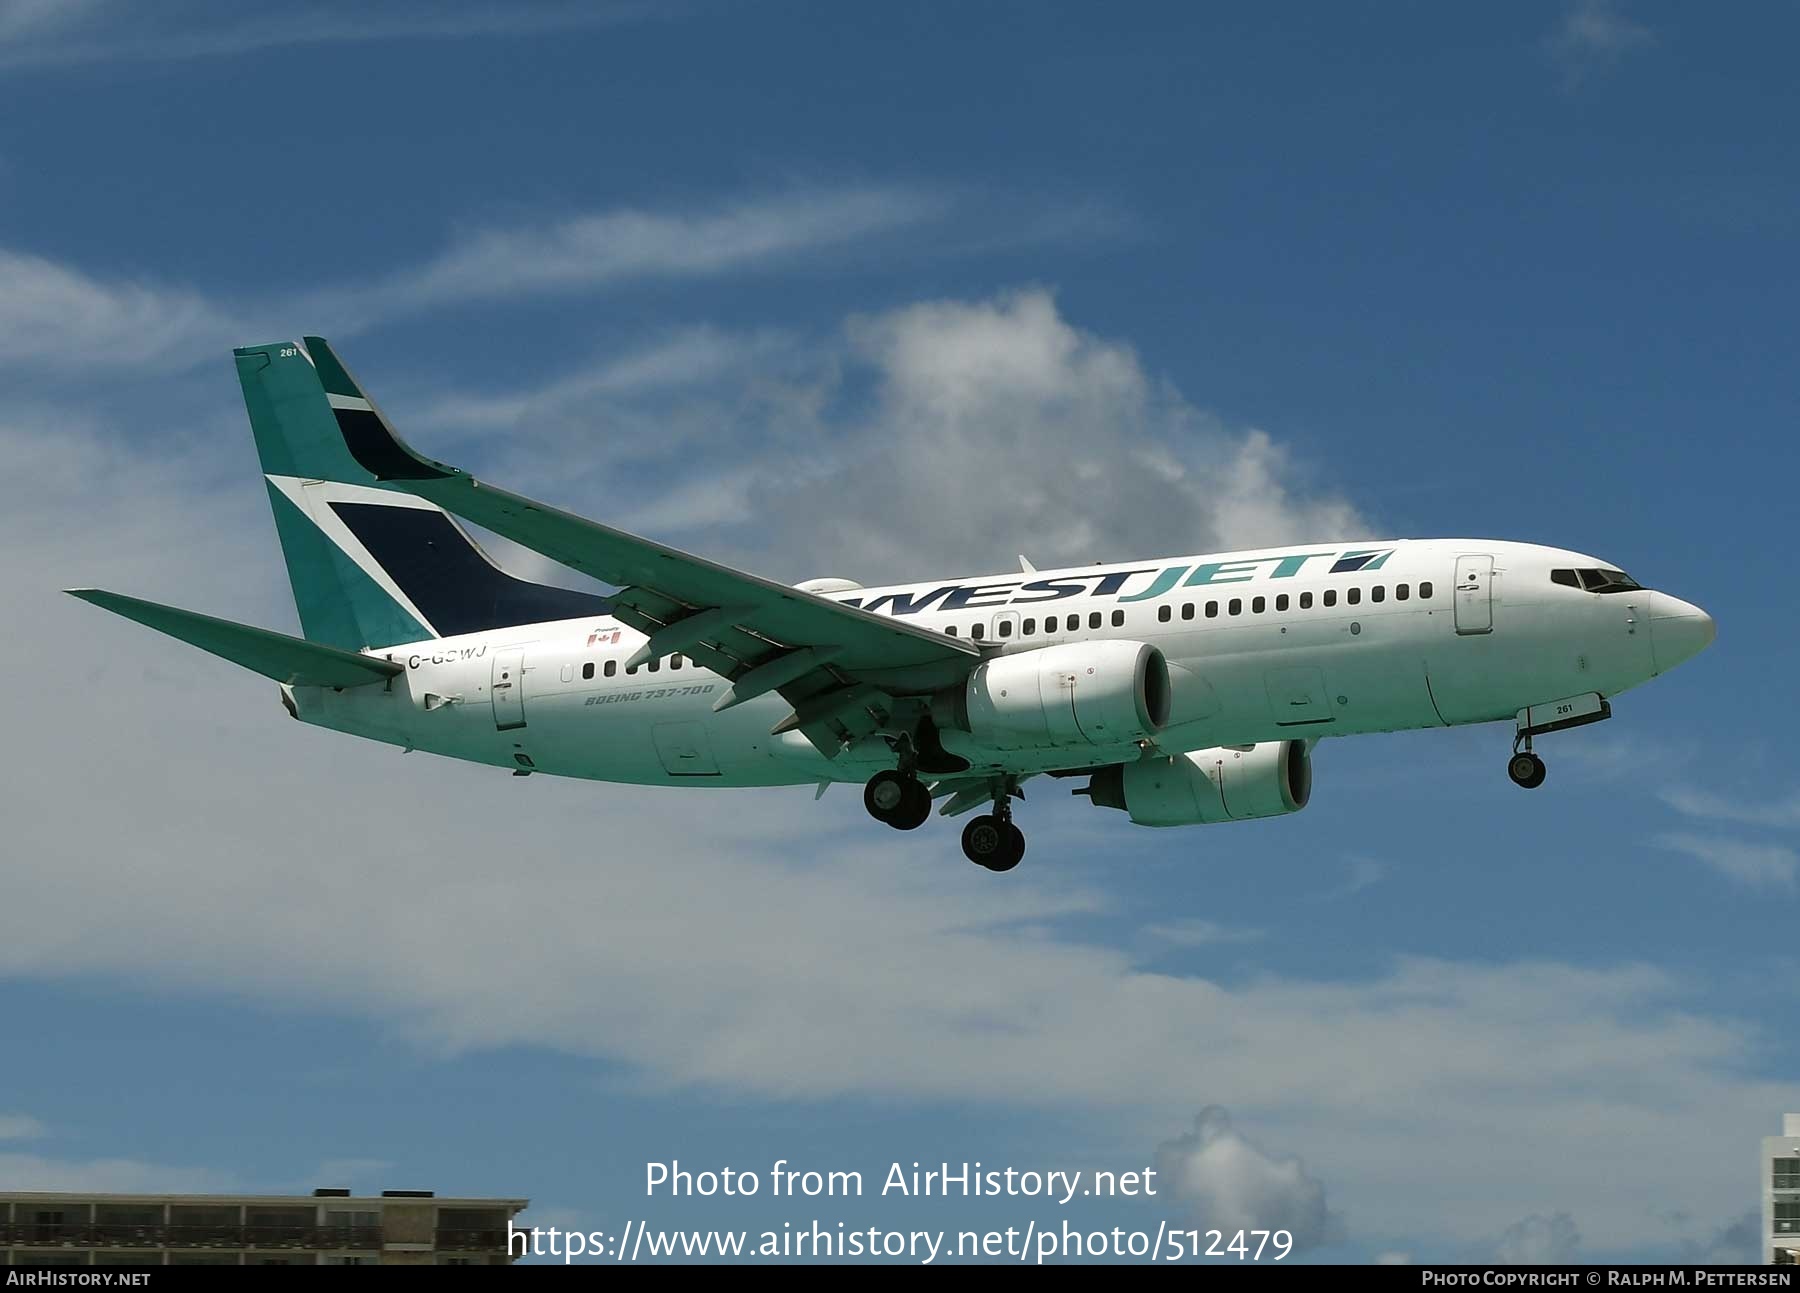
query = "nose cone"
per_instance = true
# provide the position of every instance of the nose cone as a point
(1679, 630)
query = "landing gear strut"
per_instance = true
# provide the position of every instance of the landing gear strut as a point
(897, 798)
(991, 840)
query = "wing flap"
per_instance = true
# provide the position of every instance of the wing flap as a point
(274, 655)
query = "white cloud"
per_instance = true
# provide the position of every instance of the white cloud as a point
(975, 429)
(58, 32)
(1223, 1181)
(1775, 811)
(1200, 933)
(1736, 1243)
(1392, 1258)
(20, 1126)
(1757, 866)
(592, 250)
(1539, 1241)
(105, 1176)
(53, 315)
(1594, 34)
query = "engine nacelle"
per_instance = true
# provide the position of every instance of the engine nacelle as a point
(1228, 783)
(1075, 694)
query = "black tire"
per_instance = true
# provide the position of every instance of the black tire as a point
(885, 795)
(1526, 770)
(1015, 850)
(914, 808)
(984, 840)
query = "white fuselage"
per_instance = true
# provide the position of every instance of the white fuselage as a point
(1262, 645)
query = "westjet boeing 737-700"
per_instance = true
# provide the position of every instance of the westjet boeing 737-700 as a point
(1184, 690)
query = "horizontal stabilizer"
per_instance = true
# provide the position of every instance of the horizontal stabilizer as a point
(274, 655)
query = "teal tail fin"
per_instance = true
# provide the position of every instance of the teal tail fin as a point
(370, 565)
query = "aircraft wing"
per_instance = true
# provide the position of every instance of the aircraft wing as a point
(836, 665)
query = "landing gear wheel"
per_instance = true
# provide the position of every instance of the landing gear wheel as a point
(901, 801)
(993, 842)
(1526, 770)
(914, 808)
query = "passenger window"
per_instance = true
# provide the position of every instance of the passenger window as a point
(1258, 605)
(654, 665)
(1074, 623)
(1425, 590)
(631, 669)
(1005, 627)
(1118, 619)
(1331, 597)
(976, 631)
(1163, 613)
(1187, 610)
(1378, 593)
(1354, 597)
(587, 670)
(675, 661)
(950, 629)
(1094, 619)
(1402, 592)
(1212, 610)
(1237, 606)
(612, 667)
(1029, 629)
(1281, 602)
(1306, 601)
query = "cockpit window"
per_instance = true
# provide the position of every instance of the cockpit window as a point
(1596, 581)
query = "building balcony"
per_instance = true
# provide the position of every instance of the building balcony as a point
(486, 1238)
(30, 1234)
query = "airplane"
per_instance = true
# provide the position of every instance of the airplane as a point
(1183, 690)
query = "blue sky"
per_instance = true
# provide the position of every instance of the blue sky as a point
(881, 294)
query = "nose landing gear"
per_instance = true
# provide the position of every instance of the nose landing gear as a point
(1526, 769)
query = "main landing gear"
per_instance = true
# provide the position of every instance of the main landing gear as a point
(897, 798)
(994, 842)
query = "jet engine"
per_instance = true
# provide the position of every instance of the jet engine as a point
(1227, 783)
(1078, 693)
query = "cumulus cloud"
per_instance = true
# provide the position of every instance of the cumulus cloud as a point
(1224, 1181)
(1539, 1241)
(973, 429)
(1736, 1243)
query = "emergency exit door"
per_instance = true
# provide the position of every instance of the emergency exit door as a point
(1475, 594)
(507, 687)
